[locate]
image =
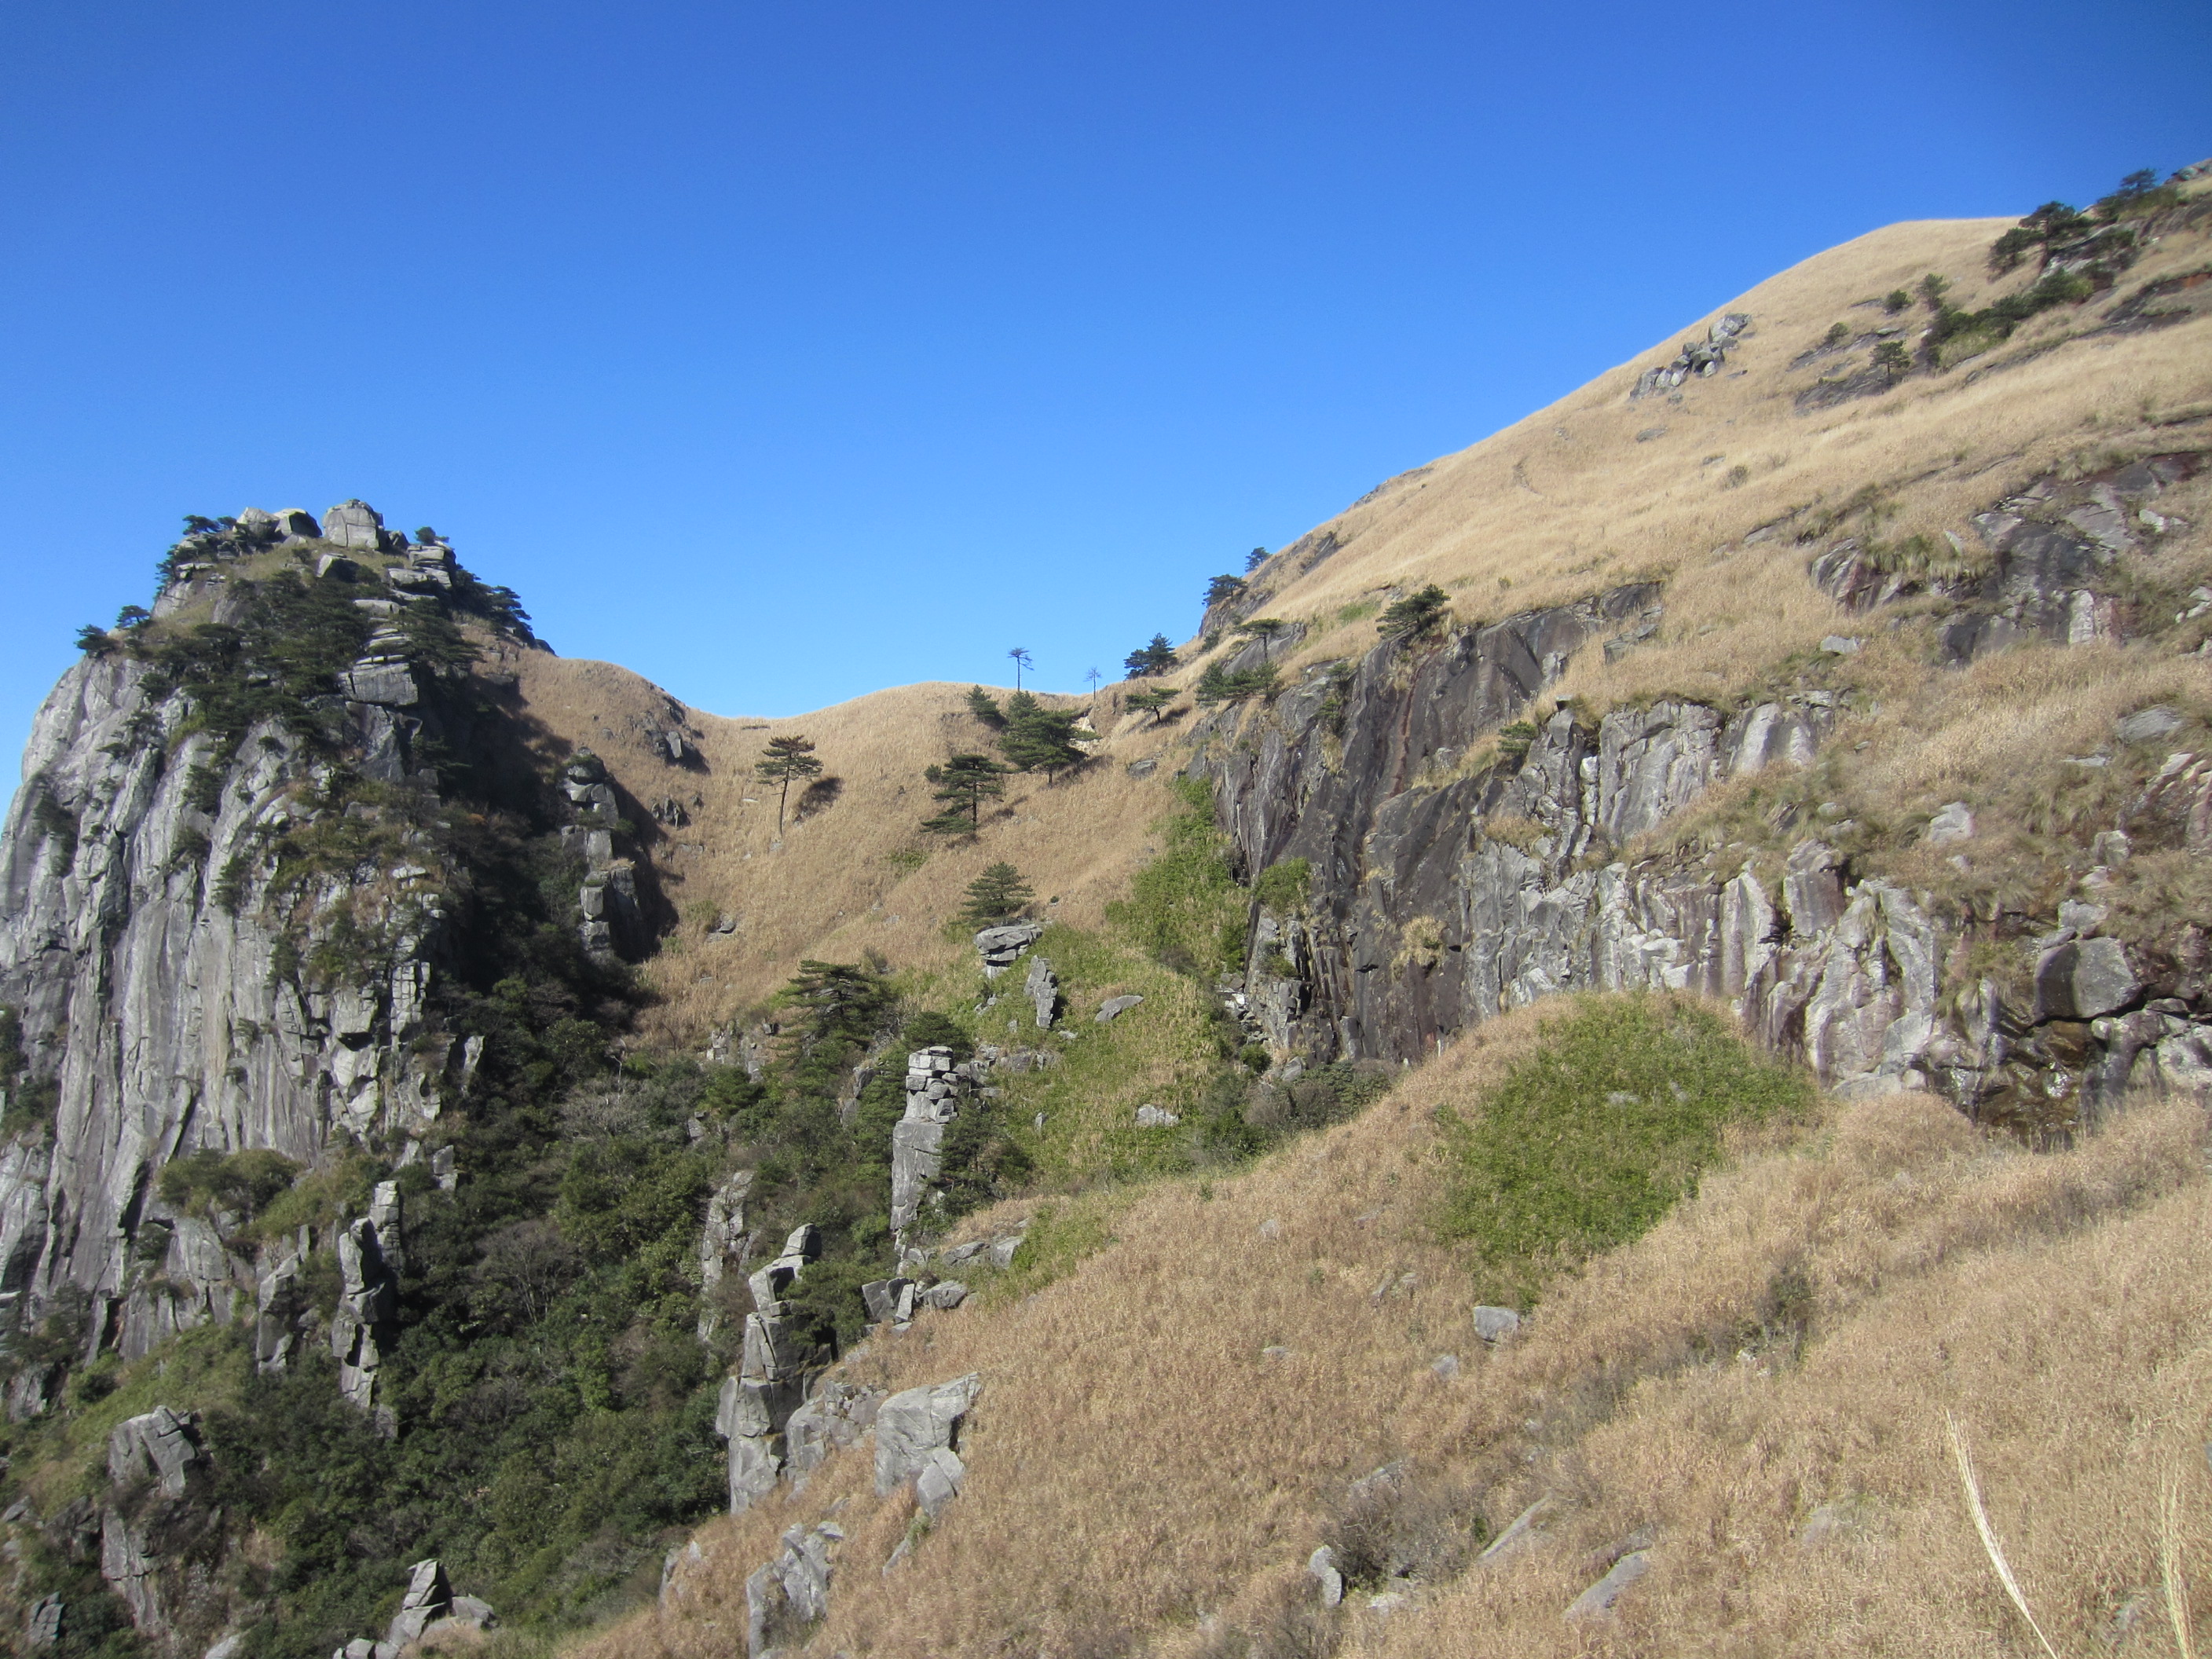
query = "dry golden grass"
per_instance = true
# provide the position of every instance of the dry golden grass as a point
(1145, 1476)
(836, 888)
(1561, 504)
(1568, 502)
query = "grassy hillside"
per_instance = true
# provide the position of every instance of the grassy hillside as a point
(1170, 1429)
(1706, 487)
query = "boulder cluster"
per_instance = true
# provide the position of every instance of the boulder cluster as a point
(1700, 358)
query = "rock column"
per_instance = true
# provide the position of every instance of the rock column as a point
(770, 1383)
(935, 1087)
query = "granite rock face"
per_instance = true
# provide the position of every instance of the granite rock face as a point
(153, 957)
(937, 1086)
(1444, 893)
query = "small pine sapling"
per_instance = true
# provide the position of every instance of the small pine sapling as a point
(997, 895)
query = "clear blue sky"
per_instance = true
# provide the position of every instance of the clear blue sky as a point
(782, 353)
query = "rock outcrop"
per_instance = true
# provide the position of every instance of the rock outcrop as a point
(936, 1086)
(1002, 947)
(1696, 358)
(792, 1592)
(160, 1532)
(371, 1257)
(770, 1385)
(194, 967)
(1443, 891)
(610, 924)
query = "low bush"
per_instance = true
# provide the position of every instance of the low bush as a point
(1587, 1143)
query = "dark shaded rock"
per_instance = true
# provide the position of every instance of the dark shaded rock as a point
(2084, 979)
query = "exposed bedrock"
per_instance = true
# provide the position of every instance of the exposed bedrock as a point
(1445, 888)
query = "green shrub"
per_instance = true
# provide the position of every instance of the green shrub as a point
(1587, 1143)
(1283, 886)
(240, 1184)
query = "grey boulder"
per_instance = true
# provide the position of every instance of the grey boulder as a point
(1495, 1324)
(911, 1425)
(1113, 1007)
(2084, 979)
(1596, 1602)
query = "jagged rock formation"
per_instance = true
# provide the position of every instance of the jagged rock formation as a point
(159, 1528)
(2050, 573)
(770, 1385)
(205, 950)
(608, 898)
(793, 1591)
(371, 1255)
(1444, 891)
(723, 1243)
(428, 1609)
(936, 1085)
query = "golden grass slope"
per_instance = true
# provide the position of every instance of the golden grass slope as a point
(1594, 489)
(843, 881)
(1168, 1431)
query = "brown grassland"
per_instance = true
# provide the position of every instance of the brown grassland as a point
(1558, 505)
(1762, 1381)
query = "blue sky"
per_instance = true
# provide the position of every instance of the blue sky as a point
(783, 353)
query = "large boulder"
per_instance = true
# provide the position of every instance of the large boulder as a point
(2083, 979)
(911, 1425)
(1001, 947)
(158, 1447)
(354, 524)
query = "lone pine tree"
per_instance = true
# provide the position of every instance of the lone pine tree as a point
(787, 758)
(996, 895)
(1158, 658)
(963, 783)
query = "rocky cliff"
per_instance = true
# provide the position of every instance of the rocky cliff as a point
(226, 886)
(1447, 862)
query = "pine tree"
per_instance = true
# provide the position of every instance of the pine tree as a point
(787, 758)
(997, 895)
(1158, 658)
(985, 707)
(1254, 559)
(1223, 587)
(1040, 739)
(1415, 615)
(1021, 661)
(1151, 701)
(839, 1007)
(963, 783)
(1264, 629)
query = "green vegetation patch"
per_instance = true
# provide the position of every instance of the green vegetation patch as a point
(1588, 1142)
(1185, 907)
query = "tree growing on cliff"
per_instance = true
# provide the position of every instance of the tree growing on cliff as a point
(1149, 700)
(1223, 587)
(1415, 616)
(996, 895)
(1264, 629)
(1158, 658)
(963, 783)
(1254, 559)
(786, 759)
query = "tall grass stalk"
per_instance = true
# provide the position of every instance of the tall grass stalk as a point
(1990, 1548)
